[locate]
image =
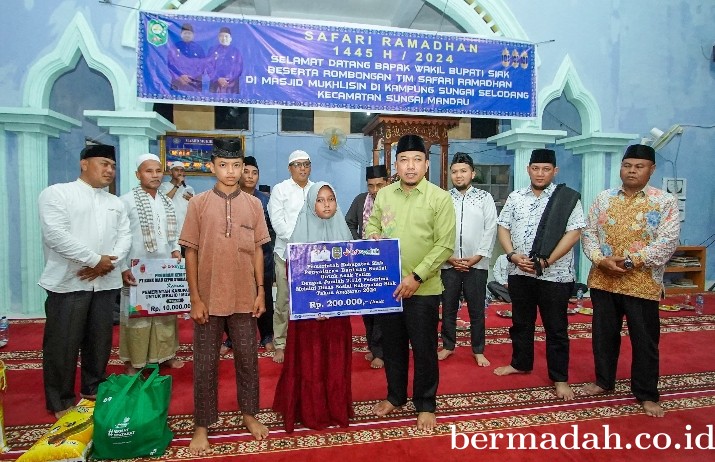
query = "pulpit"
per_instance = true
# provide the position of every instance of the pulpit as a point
(387, 129)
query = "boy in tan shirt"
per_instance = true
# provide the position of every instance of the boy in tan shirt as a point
(223, 234)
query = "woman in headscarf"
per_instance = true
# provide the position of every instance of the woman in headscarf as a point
(314, 385)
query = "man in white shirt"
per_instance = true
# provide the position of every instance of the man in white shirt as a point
(177, 190)
(324, 254)
(154, 229)
(315, 255)
(286, 201)
(85, 234)
(466, 271)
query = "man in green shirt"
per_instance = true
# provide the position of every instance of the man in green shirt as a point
(421, 216)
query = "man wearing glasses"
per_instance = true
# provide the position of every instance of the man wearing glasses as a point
(286, 201)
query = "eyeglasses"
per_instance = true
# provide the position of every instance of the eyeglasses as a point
(305, 164)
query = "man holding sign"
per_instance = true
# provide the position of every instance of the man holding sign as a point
(422, 216)
(154, 229)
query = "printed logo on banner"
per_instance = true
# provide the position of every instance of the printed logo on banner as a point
(157, 32)
(505, 58)
(524, 59)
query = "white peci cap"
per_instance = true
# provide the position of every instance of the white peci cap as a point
(176, 164)
(298, 155)
(144, 157)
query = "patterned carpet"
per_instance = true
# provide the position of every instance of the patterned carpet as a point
(32, 359)
(470, 412)
(685, 390)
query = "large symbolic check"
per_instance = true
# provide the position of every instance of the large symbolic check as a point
(161, 288)
(343, 278)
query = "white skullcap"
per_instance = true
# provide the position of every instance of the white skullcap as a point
(298, 155)
(144, 157)
(176, 164)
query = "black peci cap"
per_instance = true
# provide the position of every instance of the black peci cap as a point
(411, 143)
(250, 161)
(375, 171)
(228, 148)
(543, 156)
(463, 158)
(639, 151)
(98, 150)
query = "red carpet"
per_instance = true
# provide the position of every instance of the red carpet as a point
(471, 398)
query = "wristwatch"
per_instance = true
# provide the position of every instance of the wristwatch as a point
(417, 277)
(509, 255)
(628, 263)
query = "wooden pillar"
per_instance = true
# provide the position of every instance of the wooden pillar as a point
(444, 152)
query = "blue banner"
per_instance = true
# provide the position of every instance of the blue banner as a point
(235, 60)
(343, 278)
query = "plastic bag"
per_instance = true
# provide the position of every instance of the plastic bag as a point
(130, 415)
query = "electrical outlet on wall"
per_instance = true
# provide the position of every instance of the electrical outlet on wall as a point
(675, 186)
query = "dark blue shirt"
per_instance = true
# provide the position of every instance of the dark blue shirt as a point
(268, 246)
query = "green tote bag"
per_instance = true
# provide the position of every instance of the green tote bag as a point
(130, 415)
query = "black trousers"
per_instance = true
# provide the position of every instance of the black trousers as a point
(416, 325)
(499, 291)
(643, 329)
(551, 298)
(373, 334)
(473, 284)
(76, 321)
(265, 322)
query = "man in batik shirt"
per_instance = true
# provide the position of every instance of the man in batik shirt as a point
(631, 232)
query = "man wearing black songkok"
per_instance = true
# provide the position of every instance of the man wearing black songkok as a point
(421, 215)
(538, 227)
(356, 218)
(631, 233)
(186, 61)
(85, 233)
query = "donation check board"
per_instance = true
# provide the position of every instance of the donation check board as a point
(161, 288)
(343, 278)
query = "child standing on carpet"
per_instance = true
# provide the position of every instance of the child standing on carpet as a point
(223, 233)
(315, 387)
